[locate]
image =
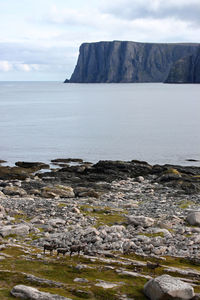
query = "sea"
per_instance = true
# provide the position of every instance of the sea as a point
(155, 122)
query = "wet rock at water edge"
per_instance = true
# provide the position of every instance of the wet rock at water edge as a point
(2, 161)
(32, 165)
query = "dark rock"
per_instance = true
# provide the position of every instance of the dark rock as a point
(192, 160)
(122, 61)
(2, 161)
(185, 178)
(32, 165)
(196, 297)
(117, 169)
(185, 70)
(67, 160)
(8, 173)
(104, 171)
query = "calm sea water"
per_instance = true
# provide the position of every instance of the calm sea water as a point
(158, 123)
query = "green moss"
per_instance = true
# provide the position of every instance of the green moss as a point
(64, 270)
(185, 204)
(161, 234)
(13, 236)
(172, 171)
(6, 295)
(62, 205)
(102, 294)
(13, 251)
(105, 215)
(134, 289)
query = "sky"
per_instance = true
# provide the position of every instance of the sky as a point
(40, 39)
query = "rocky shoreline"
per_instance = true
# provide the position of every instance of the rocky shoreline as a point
(121, 214)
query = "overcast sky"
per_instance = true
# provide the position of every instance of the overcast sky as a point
(40, 39)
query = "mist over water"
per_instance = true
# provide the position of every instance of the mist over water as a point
(155, 122)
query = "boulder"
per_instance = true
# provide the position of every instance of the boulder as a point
(56, 222)
(140, 221)
(2, 161)
(85, 192)
(2, 195)
(167, 287)
(27, 292)
(20, 229)
(9, 173)
(14, 191)
(58, 190)
(193, 218)
(106, 285)
(2, 211)
(32, 165)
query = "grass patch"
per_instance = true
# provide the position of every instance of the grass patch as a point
(64, 270)
(21, 216)
(185, 204)
(104, 215)
(62, 205)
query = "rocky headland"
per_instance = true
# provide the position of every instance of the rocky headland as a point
(109, 230)
(185, 70)
(128, 62)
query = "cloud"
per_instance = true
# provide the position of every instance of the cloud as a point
(47, 43)
(124, 20)
(57, 62)
(5, 66)
(188, 11)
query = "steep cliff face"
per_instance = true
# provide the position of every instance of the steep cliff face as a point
(127, 61)
(185, 70)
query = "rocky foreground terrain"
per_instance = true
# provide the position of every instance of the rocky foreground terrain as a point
(111, 230)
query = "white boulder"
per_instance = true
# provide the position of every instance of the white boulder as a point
(140, 221)
(27, 292)
(168, 287)
(20, 229)
(193, 218)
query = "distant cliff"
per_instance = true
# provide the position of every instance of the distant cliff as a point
(185, 70)
(127, 61)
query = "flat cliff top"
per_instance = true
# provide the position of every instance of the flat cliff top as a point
(128, 61)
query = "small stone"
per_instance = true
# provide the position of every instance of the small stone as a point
(106, 285)
(81, 280)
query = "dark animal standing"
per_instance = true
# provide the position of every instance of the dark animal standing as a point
(153, 266)
(77, 248)
(50, 247)
(63, 251)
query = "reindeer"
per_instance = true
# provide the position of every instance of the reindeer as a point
(152, 266)
(52, 246)
(63, 251)
(77, 248)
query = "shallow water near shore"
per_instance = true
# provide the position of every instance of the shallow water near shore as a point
(155, 122)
